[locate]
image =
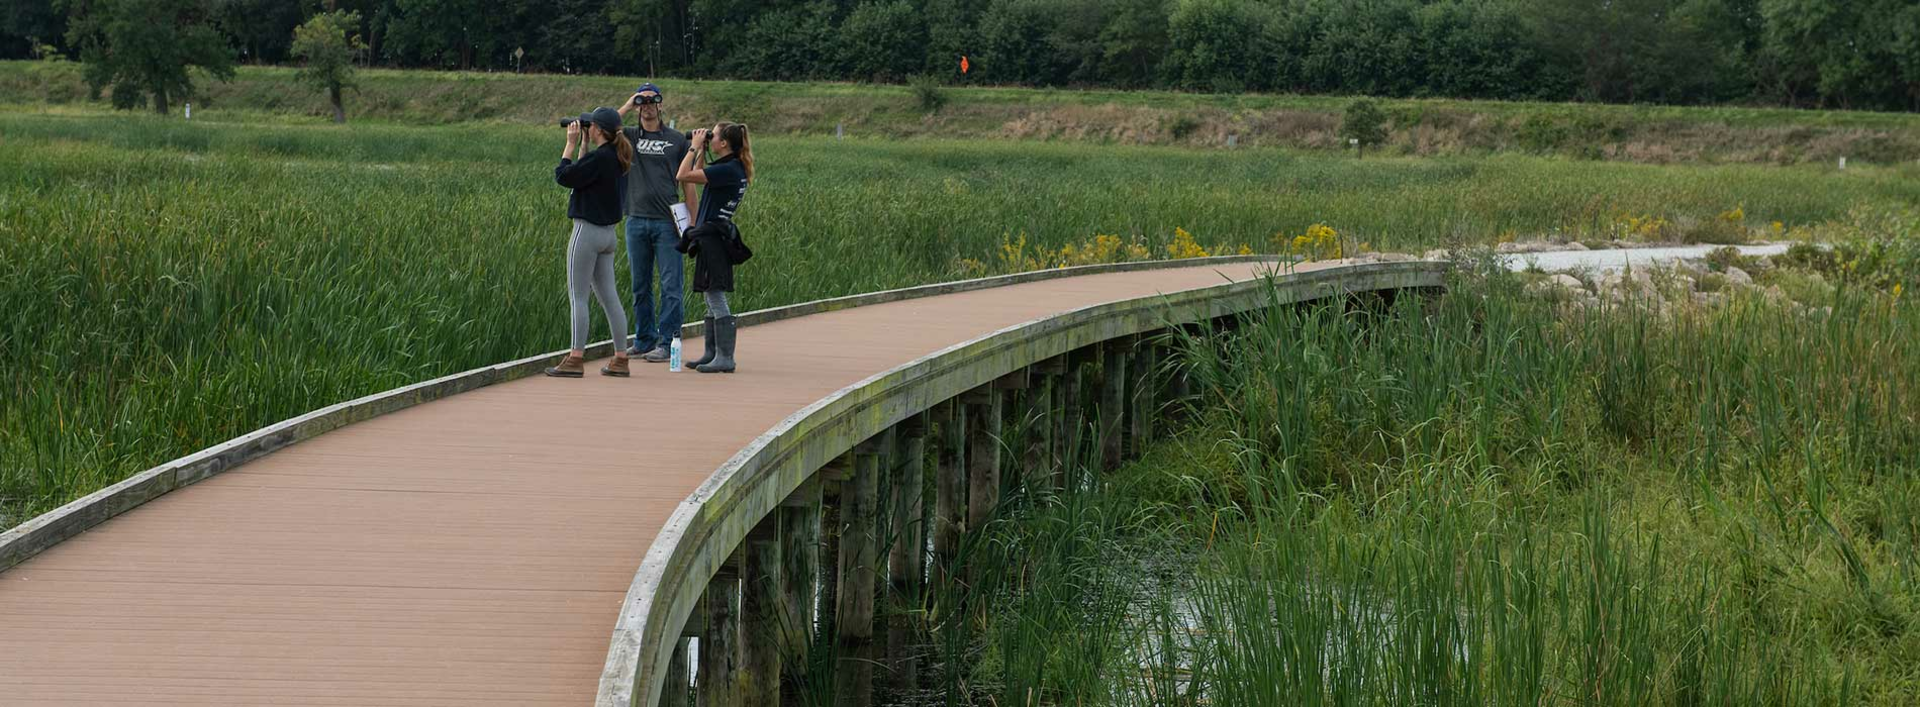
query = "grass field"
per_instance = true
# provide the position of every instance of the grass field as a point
(172, 284)
(1425, 127)
(1477, 501)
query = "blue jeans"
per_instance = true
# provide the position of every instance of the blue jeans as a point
(650, 244)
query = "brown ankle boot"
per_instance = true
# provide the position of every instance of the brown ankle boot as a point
(617, 369)
(570, 367)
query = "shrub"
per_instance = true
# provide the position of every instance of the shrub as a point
(1180, 126)
(928, 91)
(1365, 122)
(1728, 227)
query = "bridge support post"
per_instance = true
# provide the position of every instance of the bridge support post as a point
(859, 550)
(1113, 399)
(674, 692)
(720, 645)
(983, 410)
(761, 599)
(906, 564)
(800, 572)
(1044, 449)
(949, 489)
(1073, 411)
(1141, 406)
(1015, 429)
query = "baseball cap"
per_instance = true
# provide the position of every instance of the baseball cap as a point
(648, 86)
(607, 119)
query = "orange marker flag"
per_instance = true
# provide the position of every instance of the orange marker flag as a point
(963, 63)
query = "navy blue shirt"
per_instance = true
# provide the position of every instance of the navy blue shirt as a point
(726, 184)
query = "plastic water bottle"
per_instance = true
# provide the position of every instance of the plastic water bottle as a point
(673, 359)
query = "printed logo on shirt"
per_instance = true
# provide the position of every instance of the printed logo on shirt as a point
(651, 147)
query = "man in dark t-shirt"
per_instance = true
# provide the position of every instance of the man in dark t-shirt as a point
(651, 192)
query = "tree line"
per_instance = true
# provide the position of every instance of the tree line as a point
(1857, 54)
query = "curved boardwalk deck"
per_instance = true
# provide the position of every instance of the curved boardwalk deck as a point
(472, 550)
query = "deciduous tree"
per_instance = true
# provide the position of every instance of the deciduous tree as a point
(147, 48)
(328, 43)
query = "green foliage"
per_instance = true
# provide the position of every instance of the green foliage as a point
(928, 92)
(26, 26)
(327, 46)
(145, 48)
(772, 46)
(886, 30)
(1364, 121)
(1830, 53)
(1217, 45)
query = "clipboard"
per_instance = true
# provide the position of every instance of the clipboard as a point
(681, 219)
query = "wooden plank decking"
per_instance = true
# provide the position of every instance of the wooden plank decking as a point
(472, 550)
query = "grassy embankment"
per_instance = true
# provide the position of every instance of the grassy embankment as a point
(1427, 127)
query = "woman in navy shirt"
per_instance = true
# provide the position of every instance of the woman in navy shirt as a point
(726, 180)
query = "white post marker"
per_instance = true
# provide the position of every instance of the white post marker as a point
(839, 131)
(1843, 162)
(190, 114)
(1231, 139)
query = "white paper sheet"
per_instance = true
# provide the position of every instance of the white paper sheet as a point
(680, 217)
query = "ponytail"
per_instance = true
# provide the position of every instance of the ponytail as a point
(624, 150)
(736, 136)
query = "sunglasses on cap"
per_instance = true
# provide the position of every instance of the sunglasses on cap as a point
(644, 100)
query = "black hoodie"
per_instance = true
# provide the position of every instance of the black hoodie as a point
(597, 185)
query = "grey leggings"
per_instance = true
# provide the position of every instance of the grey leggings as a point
(717, 304)
(590, 267)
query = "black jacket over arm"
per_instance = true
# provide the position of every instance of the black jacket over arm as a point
(596, 183)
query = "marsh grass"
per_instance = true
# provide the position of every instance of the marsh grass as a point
(1477, 499)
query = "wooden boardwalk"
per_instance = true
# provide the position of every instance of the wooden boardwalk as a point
(472, 550)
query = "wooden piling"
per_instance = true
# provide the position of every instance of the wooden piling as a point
(906, 564)
(1113, 400)
(950, 488)
(1073, 409)
(800, 570)
(720, 644)
(1142, 403)
(859, 550)
(675, 689)
(1051, 381)
(761, 598)
(983, 411)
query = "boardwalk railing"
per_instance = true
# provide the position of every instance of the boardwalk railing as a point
(705, 531)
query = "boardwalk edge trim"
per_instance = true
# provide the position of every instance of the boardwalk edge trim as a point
(705, 527)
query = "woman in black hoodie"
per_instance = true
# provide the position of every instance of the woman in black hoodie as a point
(598, 181)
